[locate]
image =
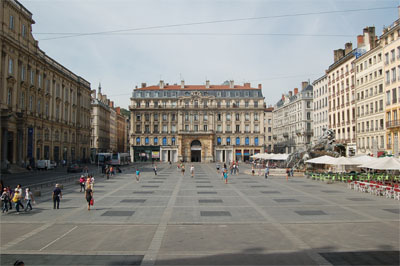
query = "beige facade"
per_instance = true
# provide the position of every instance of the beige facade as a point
(320, 106)
(370, 104)
(113, 129)
(341, 89)
(100, 124)
(45, 108)
(292, 120)
(197, 122)
(121, 131)
(390, 40)
(268, 127)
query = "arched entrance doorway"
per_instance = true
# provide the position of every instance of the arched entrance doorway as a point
(195, 151)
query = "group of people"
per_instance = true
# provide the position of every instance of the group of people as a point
(15, 197)
(234, 167)
(259, 167)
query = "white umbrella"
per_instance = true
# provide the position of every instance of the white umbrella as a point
(386, 163)
(326, 159)
(343, 161)
(279, 157)
(362, 159)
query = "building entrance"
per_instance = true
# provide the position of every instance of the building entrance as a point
(195, 151)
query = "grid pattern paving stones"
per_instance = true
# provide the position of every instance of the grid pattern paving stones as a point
(310, 213)
(286, 200)
(215, 213)
(210, 201)
(133, 200)
(291, 223)
(118, 213)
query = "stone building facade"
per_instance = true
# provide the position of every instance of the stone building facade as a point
(100, 124)
(320, 106)
(45, 108)
(196, 122)
(268, 126)
(370, 105)
(390, 41)
(121, 131)
(292, 120)
(341, 89)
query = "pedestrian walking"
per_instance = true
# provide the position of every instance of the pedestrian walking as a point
(82, 183)
(287, 174)
(183, 169)
(29, 199)
(17, 200)
(111, 170)
(5, 199)
(19, 188)
(291, 172)
(89, 197)
(92, 182)
(218, 167)
(155, 169)
(192, 170)
(252, 170)
(237, 168)
(266, 172)
(108, 172)
(226, 175)
(11, 195)
(57, 196)
(137, 175)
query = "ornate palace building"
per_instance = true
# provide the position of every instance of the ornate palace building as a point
(45, 108)
(198, 123)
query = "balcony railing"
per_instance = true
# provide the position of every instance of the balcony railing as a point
(393, 124)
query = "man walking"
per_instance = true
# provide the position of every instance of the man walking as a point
(155, 169)
(266, 171)
(57, 196)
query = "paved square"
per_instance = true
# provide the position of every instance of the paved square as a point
(180, 220)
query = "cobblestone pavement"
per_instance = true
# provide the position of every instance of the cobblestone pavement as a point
(170, 219)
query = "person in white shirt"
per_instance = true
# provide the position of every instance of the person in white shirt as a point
(192, 170)
(29, 198)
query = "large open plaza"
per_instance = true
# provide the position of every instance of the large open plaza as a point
(170, 219)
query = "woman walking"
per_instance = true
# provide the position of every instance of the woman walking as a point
(192, 170)
(17, 200)
(226, 175)
(29, 198)
(89, 197)
(5, 198)
(183, 169)
(155, 169)
(82, 183)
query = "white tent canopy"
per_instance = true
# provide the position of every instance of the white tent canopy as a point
(326, 159)
(271, 156)
(362, 159)
(344, 161)
(386, 163)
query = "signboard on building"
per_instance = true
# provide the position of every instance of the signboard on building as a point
(155, 154)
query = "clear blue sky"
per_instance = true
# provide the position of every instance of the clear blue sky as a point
(278, 62)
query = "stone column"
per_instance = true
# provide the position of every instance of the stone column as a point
(4, 145)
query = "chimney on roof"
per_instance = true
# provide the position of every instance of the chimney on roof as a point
(296, 91)
(338, 54)
(290, 93)
(360, 40)
(207, 84)
(304, 85)
(231, 84)
(260, 86)
(348, 47)
(99, 93)
(144, 85)
(182, 84)
(161, 84)
(246, 85)
(283, 97)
